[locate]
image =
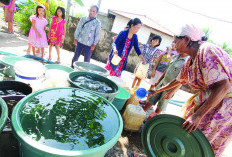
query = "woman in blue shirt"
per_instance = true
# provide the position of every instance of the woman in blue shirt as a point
(122, 47)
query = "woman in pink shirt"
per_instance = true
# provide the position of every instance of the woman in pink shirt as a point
(9, 15)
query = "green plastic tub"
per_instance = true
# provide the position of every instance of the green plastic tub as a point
(74, 123)
(9, 62)
(59, 67)
(88, 67)
(108, 96)
(3, 114)
(121, 98)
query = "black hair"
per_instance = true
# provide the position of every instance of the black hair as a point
(157, 37)
(37, 8)
(134, 22)
(95, 7)
(193, 43)
(62, 10)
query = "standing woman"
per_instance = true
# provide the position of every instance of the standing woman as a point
(209, 70)
(122, 47)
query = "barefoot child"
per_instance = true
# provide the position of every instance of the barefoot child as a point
(9, 15)
(57, 32)
(149, 52)
(37, 36)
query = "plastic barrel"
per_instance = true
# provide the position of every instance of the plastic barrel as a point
(59, 67)
(121, 98)
(88, 67)
(30, 147)
(4, 114)
(108, 96)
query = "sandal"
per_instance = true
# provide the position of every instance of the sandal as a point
(142, 102)
(58, 61)
(49, 59)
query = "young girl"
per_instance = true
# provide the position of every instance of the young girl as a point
(29, 45)
(161, 64)
(57, 32)
(37, 36)
(149, 52)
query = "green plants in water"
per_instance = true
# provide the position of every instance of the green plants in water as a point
(69, 119)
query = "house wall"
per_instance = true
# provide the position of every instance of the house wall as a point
(143, 34)
(166, 40)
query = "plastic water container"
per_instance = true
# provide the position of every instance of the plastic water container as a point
(142, 71)
(141, 93)
(133, 117)
(133, 99)
(29, 72)
(116, 59)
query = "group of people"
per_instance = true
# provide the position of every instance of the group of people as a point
(191, 61)
(56, 33)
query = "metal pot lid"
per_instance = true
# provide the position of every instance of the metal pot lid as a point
(162, 136)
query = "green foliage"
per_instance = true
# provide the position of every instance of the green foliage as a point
(79, 2)
(224, 46)
(79, 15)
(29, 8)
(22, 16)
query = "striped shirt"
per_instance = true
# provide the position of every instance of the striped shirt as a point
(148, 54)
(90, 33)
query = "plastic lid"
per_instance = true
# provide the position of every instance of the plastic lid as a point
(29, 68)
(11, 60)
(162, 135)
(141, 93)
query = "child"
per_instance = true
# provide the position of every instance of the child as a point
(9, 15)
(161, 64)
(149, 52)
(57, 32)
(29, 45)
(174, 67)
(37, 36)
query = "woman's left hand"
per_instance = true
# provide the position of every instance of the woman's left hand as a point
(192, 123)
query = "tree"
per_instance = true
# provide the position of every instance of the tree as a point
(69, 5)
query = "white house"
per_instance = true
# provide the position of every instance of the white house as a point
(147, 31)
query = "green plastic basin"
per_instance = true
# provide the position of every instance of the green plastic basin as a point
(121, 98)
(3, 114)
(108, 96)
(59, 67)
(9, 62)
(88, 67)
(72, 123)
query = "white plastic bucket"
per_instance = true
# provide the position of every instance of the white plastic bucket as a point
(116, 59)
(29, 72)
(142, 71)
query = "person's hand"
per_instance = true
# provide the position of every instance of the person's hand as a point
(168, 95)
(92, 47)
(115, 52)
(152, 115)
(39, 35)
(75, 42)
(152, 91)
(10, 9)
(191, 123)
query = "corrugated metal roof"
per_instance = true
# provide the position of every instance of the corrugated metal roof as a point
(148, 22)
